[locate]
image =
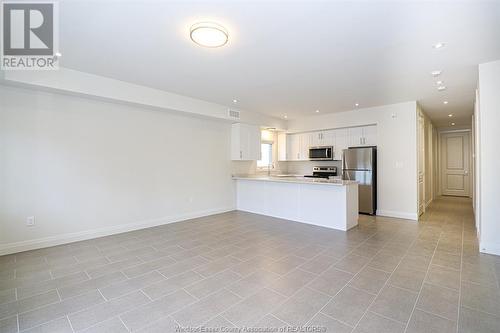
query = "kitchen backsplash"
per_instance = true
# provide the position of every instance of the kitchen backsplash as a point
(305, 167)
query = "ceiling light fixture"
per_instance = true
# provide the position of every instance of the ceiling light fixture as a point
(441, 88)
(209, 34)
(357, 104)
(450, 115)
(452, 124)
(235, 101)
(438, 45)
(285, 116)
(58, 54)
(317, 111)
(439, 82)
(445, 102)
(436, 73)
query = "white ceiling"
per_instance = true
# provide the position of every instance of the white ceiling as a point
(291, 57)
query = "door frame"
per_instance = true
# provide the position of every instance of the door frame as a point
(439, 161)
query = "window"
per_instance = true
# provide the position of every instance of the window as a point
(266, 159)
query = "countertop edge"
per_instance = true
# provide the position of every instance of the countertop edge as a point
(296, 181)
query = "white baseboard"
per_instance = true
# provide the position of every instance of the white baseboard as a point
(400, 215)
(489, 248)
(39, 243)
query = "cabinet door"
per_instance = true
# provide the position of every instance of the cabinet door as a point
(316, 139)
(341, 143)
(245, 142)
(328, 138)
(254, 149)
(355, 136)
(370, 135)
(305, 143)
(293, 147)
(282, 147)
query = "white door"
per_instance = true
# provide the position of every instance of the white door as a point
(455, 163)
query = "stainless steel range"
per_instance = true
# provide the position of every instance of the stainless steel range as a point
(323, 172)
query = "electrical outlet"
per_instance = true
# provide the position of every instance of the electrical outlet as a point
(30, 221)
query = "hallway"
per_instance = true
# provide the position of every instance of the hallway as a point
(457, 267)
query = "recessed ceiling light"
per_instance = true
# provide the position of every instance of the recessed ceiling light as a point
(441, 88)
(436, 73)
(209, 34)
(235, 101)
(357, 104)
(452, 124)
(317, 111)
(445, 102)
(450, 115)
(438, 45)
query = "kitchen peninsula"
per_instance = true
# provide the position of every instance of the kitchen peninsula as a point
(323, 202)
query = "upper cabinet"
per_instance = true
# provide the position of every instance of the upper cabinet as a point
(245, 142)
(282, 146)
(323, 138)
(363, 136)
(295, 147)
(341, 142)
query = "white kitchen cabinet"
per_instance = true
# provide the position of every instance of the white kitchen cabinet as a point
(370, 135)
(323, 138)
(293, 147)
(298, 146)
(245, 142)
(341, 143)
(363, 136)
(282, 146)
(305, 143)
(355, 136)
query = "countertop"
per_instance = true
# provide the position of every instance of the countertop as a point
(295, 179)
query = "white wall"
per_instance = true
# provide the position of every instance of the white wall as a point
(487, 172)
(85, 167)
(397, 151)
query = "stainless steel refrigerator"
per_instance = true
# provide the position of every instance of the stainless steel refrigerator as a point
(360, 164)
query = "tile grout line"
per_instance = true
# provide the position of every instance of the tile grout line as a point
(307, 284)
(423, 281)
(354, 276)
(460, 275)
(386, 283)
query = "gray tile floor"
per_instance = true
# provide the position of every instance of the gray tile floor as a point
(243, 270)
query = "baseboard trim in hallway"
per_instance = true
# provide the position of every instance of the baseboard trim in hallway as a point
(399, 215)
(39, 243)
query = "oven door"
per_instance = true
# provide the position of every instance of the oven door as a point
(321, 153)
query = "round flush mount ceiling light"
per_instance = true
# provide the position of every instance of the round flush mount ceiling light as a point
(209, 34)
(445, 102)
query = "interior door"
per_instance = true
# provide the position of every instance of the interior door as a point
(455, 163)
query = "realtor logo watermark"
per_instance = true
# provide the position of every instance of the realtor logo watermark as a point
(30, 39)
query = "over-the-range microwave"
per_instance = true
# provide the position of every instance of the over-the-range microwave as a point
(322, 153)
